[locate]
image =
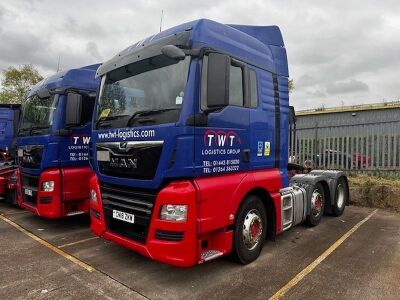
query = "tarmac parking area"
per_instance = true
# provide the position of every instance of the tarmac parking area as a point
(354, 256)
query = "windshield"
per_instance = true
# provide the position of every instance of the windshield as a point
(37, 114)
(152, 88)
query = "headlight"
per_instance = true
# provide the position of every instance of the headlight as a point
(171, 212)
(48, 186)
(93, 196)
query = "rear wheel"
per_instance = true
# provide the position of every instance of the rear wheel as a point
(317, 205)
(250, 230)
(341, 197)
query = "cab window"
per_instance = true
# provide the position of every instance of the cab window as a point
(236, 96)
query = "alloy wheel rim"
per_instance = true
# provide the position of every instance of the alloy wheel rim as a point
(252, 229)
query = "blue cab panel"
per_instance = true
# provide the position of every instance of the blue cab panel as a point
(9, 117)
(179, 147)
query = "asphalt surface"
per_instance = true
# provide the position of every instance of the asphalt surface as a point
(364, 266)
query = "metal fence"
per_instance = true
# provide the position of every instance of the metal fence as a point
(369, 147)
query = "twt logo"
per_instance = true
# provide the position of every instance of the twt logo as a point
(221, 138)
(80, 139)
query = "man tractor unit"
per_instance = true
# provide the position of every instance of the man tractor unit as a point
(52, 144)
(190, 147)
(9, 118)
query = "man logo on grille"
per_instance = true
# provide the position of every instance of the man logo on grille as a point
(123, 145)
(124, 163)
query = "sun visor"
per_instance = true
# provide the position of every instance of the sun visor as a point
(43, 92)
(143, 50)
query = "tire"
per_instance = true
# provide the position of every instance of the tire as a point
(250, 230)
(341, 197)
(317, 205)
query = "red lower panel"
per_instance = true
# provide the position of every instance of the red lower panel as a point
(70, 195)
(220, 197)
(6, 184)
(212, 206)
(3, 181)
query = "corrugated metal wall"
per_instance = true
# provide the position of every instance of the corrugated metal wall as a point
(350, 140)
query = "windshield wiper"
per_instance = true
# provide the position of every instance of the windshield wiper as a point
(38, 129)
(143, 113)
(21, 130)
(103, 120)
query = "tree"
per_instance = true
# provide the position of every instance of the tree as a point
(16, 83)
(291, 85)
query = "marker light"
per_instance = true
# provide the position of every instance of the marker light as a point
(48, 186)
(171, 212)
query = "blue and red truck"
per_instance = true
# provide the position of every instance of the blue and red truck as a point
(190, 147)
(52, 144)
(9, 118)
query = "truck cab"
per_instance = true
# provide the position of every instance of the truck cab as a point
(52, 144)
(190, 144)
(9, 118)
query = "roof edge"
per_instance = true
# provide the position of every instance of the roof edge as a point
(339, 109)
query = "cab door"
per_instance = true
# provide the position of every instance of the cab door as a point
(222, 137)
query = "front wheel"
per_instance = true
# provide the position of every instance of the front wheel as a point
(250, 230)
(317, 205)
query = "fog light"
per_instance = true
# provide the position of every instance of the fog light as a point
(171, 212)
(48, 186)
(93, 196)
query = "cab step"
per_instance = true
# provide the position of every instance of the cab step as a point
(75, 213)
(209, 255)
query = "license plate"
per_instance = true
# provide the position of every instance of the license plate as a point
(123, 216)
(28, 192)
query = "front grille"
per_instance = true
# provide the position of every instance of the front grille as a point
(137, 160)
(138, 202)
(31, 156)
(30, 182)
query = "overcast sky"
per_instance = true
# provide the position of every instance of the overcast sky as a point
(340, 53)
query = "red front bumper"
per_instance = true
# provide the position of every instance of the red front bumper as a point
(181, 253)
(69, 197)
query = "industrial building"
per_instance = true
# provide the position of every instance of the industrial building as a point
(349, 137)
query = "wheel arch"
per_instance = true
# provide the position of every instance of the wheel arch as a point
(308, 181)
(332, 177)
(269, 207)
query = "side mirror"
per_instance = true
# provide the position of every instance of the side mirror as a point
(73, 109)
(218, 80)
(43, 93)
(173, 52)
